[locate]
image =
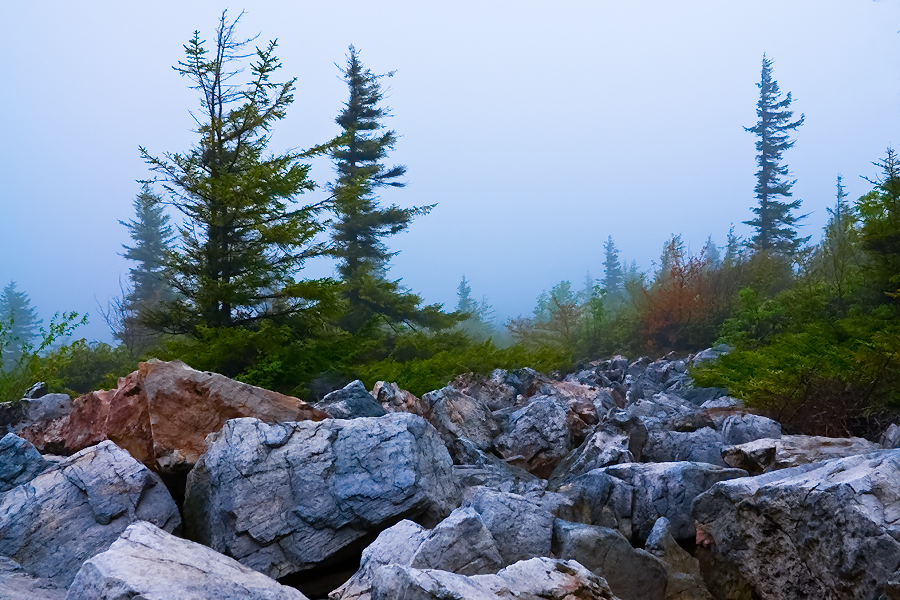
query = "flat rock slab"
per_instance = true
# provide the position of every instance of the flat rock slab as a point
(69, 513)
(826, 530)
(149, 563)
(765, 455)
(534, 579)
(17, 584)
(285, 498)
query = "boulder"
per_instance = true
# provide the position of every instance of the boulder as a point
(495, 391)
(483, 469)
(394, 399)
(70, 512)
(703, 445)
(604, 447)
(822, 530)
(17, 584)
(285, 498)
(20, 462)
(537, 437)
(632, 574)
(147, 562)
(459, 544)
(740, 429)
(37, 419)
(535, 579)
(521, 525)
(351, 402)
(762, 456)
(890, 439)
(456, 415)
(631, 497)
(160, 413)
(684, 580)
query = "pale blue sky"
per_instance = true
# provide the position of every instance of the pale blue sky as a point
(538, 129)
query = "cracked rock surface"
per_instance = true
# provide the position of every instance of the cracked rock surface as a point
(148, 563)
(77, 508)
(288, 497)
(826, 530)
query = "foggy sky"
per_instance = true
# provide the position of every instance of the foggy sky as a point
(538, 130)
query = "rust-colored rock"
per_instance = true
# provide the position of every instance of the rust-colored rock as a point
(162, 413)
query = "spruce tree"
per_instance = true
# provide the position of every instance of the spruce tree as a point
(151, 235)
(711, 254)
(613, 274)
(465, 304)
(361, 222)
(775, 223)
(19, 324)
(245, 235)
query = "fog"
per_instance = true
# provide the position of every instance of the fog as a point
(537, 130)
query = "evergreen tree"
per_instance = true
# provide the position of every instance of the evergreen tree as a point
(19, 324)
(732, 249)
(711, 254)
(879, 215)
(151, 234)
(774, 222)
(465, 303)
(361, 223)
(588, 291)
(613, 274)
(839, 250)
(245, 237)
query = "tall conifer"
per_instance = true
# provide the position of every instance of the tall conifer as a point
(19, 324)
(775, 223)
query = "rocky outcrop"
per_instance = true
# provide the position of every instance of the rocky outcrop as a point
(521, 525)
(484, 469)
(632, 574)
(604, 447)
(537, 437)
(17, 584)
(351, 402)
(161, 414)
(459, 544)
(147, 562)
(631, 497)
(51, 524)
(456, 415)
(825, 530)
(20, 462)
(535, 579)
(762, 456)
(684, 579)
(288, 497)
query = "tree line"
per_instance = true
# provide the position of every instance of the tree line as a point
(812, 328)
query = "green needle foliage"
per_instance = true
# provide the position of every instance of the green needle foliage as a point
(774, 223)
(244, 236)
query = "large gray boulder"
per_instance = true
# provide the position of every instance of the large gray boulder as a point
(284, 498)
(764, 455)
(148, 563)
(351, 402)
(456, 415)
(20, 462)
(521, 525)
(825, 530)
(534, 579)
(747, 427)
(631, 497)
(632, 574)
(703, 445)
(602, 448)
(18, 584)
(684, 579)
(459, 544)
(67, 514)
(537, 437)
(481, 468)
